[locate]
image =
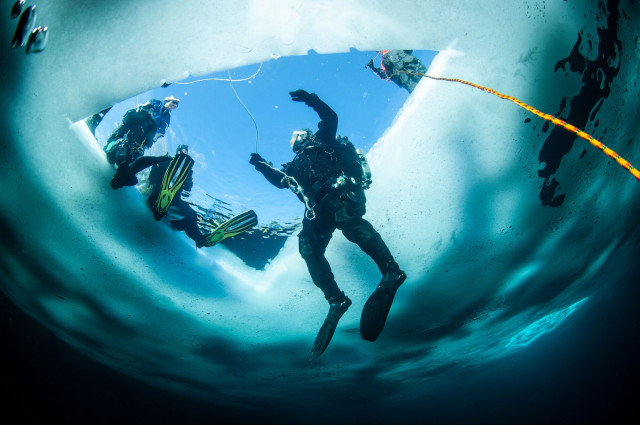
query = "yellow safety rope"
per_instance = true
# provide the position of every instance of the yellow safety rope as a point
(548, 117)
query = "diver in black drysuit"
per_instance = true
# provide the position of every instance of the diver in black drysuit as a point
(319, 163)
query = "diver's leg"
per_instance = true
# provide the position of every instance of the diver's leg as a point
(313, 241)
(377, 307)
(126, 173)
(147, 161)
(189, 223)
(361, 232)
(314, 238)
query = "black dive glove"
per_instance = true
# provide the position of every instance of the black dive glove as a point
(256, 159)
(369, 64)
(301, 96)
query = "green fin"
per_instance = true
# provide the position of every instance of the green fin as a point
(175, 176)
(232, 227)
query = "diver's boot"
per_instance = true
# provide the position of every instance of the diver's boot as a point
(336, 310)
(201, 242)
(123, 177)
(376, 309)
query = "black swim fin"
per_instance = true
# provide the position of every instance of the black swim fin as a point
(336, 310)
(376, 309)
(173, 180)
(232, 227)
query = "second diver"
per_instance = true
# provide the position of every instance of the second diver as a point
(169, 180)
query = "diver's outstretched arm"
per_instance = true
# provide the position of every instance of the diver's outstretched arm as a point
(273, 175)
(328, 125)
(380, 73)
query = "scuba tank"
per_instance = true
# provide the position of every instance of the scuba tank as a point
(355, 159)
(366, 171)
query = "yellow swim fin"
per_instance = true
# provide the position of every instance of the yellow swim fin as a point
(232, 227)
(173, 180)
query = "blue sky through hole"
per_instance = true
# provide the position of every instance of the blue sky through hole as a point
(221, 134)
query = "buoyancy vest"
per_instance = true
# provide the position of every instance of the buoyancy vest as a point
(318, 166)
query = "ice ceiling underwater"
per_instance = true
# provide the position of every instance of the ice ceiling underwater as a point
(498, 218)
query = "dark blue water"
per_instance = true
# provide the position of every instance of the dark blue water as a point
(586, 370)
